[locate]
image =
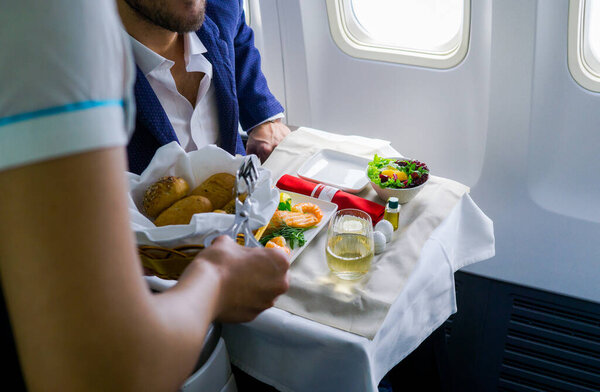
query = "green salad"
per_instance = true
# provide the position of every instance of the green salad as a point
(397, 173)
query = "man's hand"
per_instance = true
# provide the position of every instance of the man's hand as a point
(251, 278)
(263, 138)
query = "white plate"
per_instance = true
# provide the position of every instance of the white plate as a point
(327, 208)
(338, 169)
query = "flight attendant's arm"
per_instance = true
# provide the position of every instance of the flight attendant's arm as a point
(81, 313)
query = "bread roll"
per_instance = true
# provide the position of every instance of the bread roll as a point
(163, 193)
(181, 212)
(218, 188)
(230, 206)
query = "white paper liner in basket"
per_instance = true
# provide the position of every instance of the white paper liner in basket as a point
(194, 167)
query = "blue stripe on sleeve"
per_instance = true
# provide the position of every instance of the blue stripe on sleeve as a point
(72, 107)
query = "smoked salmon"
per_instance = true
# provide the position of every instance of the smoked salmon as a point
(278, 243)
(308, 208)
(293, 219)
(302, 216)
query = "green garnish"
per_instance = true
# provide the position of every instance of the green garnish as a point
(294, 236)
(285, 206)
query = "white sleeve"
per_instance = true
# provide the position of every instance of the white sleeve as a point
(67, 76)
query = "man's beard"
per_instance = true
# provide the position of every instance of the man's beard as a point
(157, 13)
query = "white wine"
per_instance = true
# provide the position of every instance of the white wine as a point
(349, 244)
(349, 255)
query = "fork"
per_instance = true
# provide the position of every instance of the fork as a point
(247, 175)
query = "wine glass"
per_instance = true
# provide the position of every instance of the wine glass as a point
(349, 244)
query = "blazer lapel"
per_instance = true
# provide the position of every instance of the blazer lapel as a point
(224, 83)
(150, 113)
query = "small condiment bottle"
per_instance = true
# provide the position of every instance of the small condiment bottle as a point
(392, 211)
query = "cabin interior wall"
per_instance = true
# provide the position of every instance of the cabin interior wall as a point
(545, 223)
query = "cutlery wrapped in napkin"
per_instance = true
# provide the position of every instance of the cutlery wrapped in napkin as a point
(328, 193)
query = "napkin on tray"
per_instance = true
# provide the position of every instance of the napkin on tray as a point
(324, 192)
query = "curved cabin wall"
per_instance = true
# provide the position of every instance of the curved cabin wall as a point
(565, 127)
(539, 180)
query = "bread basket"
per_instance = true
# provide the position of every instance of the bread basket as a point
(166, 251)
(169, 263)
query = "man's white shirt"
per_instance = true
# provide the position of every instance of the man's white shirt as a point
(195, 127)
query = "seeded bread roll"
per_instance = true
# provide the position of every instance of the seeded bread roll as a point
(218, 188)
(163, 193)
(181, 212)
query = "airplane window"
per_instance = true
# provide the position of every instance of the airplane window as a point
(431, 33)
(591, 30)
(424, 26)
(584, 43)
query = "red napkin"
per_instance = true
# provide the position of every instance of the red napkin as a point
(324, 192)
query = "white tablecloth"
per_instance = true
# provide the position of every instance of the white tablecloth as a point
(293, 353)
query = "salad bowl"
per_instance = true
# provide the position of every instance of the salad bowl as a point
(397, 177)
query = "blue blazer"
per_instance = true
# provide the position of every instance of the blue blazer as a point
(241, 89)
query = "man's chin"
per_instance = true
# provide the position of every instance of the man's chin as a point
(168, 19)
(184, 28)
(192, 19)
(191, 25)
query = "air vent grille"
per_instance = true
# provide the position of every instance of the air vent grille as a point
(560, 311)
(549, 347)
(513, 383)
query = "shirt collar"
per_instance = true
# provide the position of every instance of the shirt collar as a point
(194, 55)
(148, 60)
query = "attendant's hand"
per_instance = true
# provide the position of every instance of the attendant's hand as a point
(263, 138)
(251, 278)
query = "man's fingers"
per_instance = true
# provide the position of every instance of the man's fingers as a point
(263, 139)
(261, 149)
(265, 151)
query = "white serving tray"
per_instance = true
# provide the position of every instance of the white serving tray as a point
(327, 208)
(343, 171)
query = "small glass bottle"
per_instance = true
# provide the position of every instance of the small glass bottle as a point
(392, 211)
